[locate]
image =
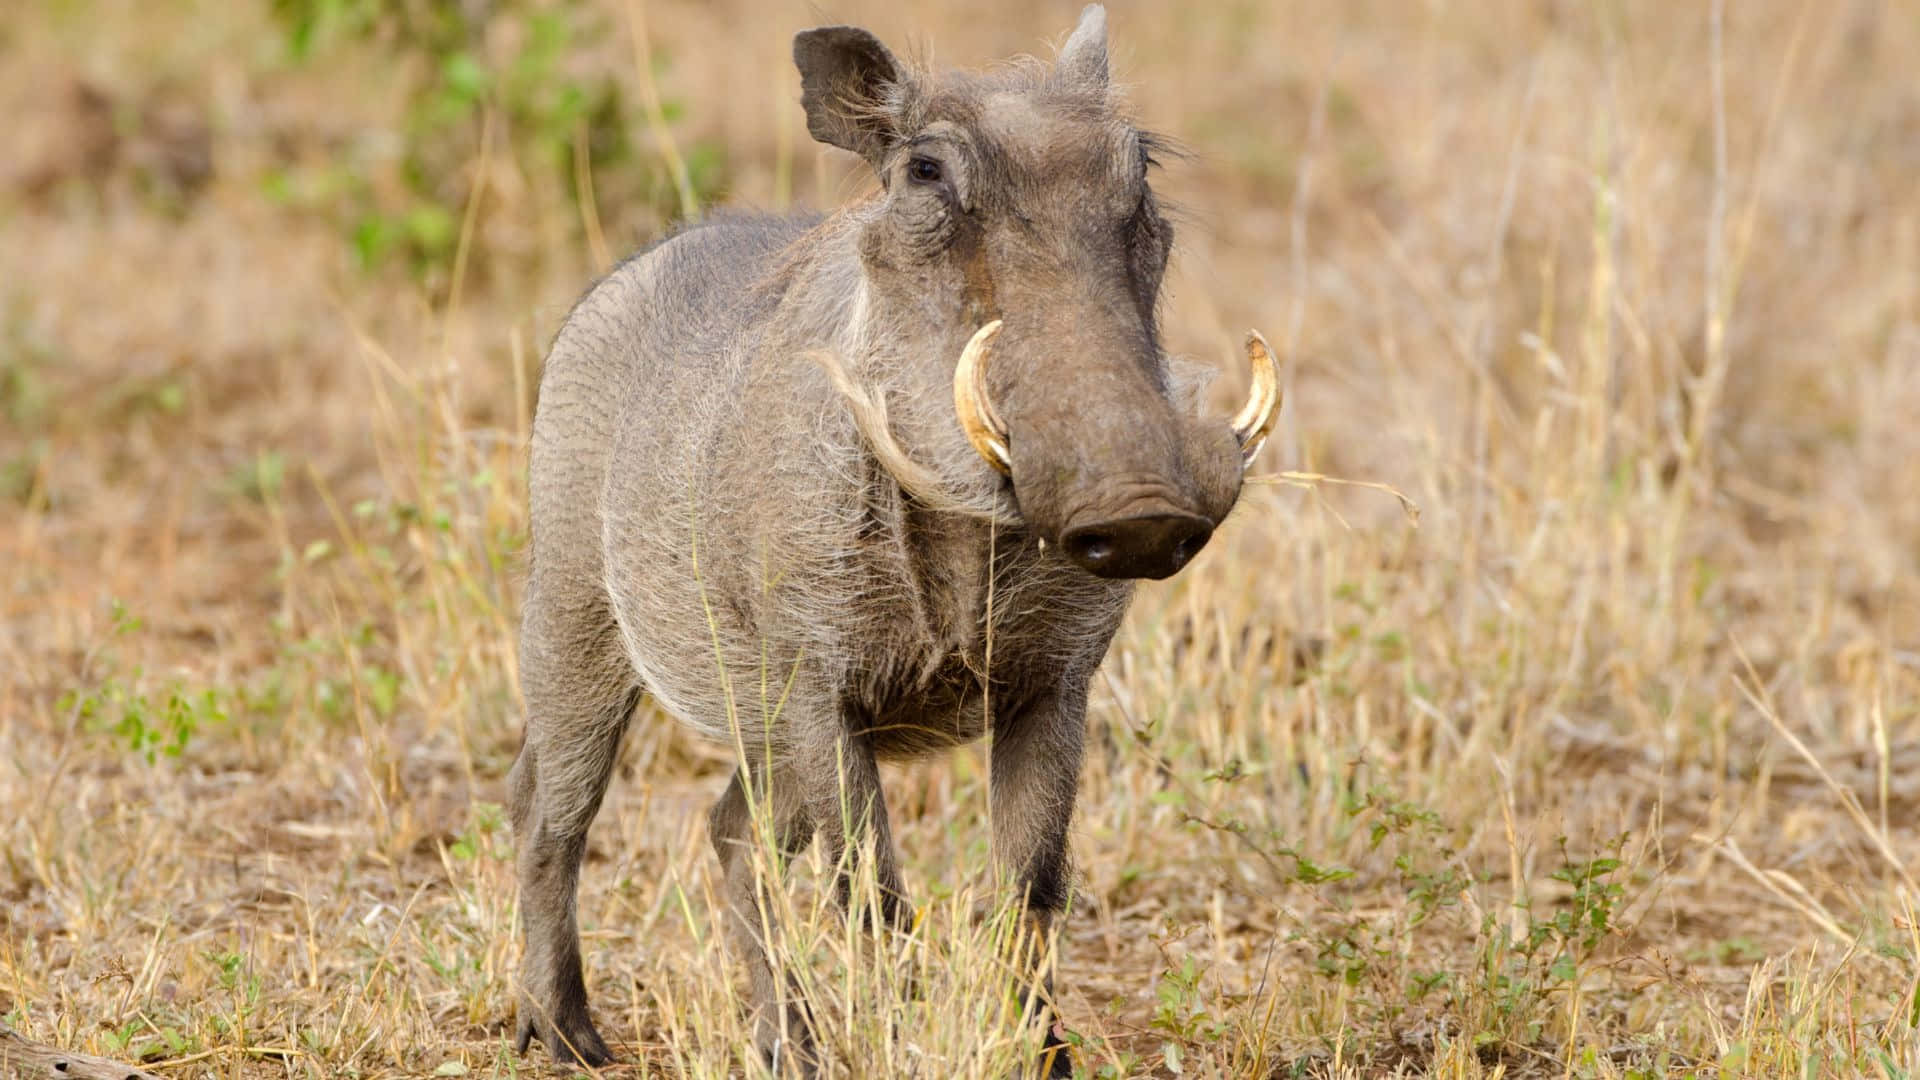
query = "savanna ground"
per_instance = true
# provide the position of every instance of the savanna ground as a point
(1606, 764)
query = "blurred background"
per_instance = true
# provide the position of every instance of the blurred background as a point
(1585, 742)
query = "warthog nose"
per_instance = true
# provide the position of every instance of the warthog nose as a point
(1149, 546)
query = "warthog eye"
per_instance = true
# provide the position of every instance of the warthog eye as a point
(923, 170)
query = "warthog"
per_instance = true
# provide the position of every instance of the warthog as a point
(783, 469)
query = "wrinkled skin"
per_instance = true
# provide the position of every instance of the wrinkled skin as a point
(710, 518)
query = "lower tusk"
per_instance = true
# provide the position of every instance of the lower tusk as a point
(1255, 421)
(971, 402)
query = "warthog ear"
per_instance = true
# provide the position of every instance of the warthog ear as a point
(1084, 57)
(844, 76)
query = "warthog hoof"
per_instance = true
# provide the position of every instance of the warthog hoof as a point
(572, 1042)
(1056, 1059)
(790, 1052)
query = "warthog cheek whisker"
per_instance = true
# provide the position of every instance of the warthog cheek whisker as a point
(869, 410)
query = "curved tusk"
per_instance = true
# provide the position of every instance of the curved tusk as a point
(975, 407)
(1256, 417)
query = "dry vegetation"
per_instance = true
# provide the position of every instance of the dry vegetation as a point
(1607, 766)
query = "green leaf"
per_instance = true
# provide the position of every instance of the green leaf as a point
(371, 240)
(464, 76)
(431, 229)
(383, 688)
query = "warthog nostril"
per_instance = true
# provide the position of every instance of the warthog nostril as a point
(1148, 546)
(1089, 548)
(1185, 549)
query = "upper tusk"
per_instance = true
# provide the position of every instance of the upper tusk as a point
(975, 406)
(1256, 417)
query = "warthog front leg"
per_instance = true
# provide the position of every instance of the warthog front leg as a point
(1035, 777)
(841, 781)
(579, 694)
(780, 1026)
(829, 784)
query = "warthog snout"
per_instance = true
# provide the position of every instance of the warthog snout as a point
(1147, 546)
(1100, 460)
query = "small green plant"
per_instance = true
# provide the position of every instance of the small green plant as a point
(508, 76)
(118, 1040)
(383, 689)
(1180, 1007)
(1519, 974)
(233, 975)
(152, 726)
(20, 476)
(164, 395)
(141, 1038)
(1391, 816)
(25, 356)
(310, 23)
(1574, 931)
(1348, 952)
(479, 838)
(259, 478)
(23, 392)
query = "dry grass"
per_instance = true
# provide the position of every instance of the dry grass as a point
(1609, 767)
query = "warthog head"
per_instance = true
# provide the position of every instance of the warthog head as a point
(1016, 215)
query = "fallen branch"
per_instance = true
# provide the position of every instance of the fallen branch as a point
(32, 1061)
